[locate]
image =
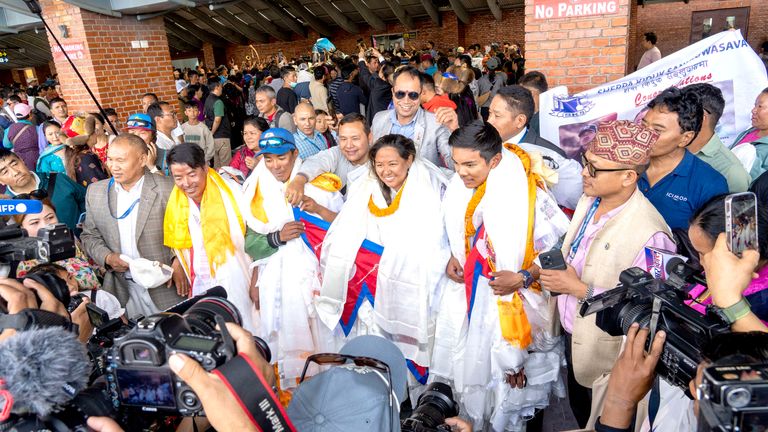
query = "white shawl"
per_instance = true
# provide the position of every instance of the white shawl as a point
(288, 279)
(411, 266)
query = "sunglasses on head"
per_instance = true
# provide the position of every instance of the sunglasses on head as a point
(271, 142)
(411, 95)
(37, 194)
(332, 359)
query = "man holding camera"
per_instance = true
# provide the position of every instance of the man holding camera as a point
(612, 225)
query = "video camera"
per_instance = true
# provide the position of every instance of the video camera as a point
(659, 305)
(53, 243)
(733, 398)
(137, 370)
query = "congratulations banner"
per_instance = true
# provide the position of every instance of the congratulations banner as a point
(724, 60)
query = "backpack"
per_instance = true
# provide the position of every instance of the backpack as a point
(39, 117)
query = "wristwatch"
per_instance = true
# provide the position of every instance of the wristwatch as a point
(527, 278)
(588, 294)
(734, 312)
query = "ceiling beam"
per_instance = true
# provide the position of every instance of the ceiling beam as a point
(460, 10)
(299, 10)
(431, 11)
(242, 27)
(219, 29)
(400, 13)
(493, 5)
(92, 7)
(180, 45)
(287, 19)
(338, 17)
(177, 32)
(195, 30)
(23, 42)
(368, 15)
(265, 24)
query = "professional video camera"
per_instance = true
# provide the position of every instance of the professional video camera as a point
(53, 243)
(137, 368)
(659, 305)
(434, 406)
(733, 398)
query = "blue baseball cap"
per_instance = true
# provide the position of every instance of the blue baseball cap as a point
(276, 141)
(139, 121)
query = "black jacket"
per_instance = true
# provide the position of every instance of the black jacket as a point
(380, 95)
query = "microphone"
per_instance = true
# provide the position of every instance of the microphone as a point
(685, 271)
(43, 369)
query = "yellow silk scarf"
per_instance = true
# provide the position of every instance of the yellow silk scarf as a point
(213, 220)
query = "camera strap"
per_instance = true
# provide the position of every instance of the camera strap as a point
(254, 395)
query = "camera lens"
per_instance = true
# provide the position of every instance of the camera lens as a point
(435, 405)
(738, 397)
(263, 348)
(202, 315)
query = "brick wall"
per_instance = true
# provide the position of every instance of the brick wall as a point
(485, 29)
(445, 36)
(207, 58)
(116, 73)
(672, 23)
(578, 52)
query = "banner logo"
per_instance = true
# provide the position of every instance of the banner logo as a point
(571, 106)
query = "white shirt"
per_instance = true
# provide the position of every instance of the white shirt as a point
(650, 56)
(200, 266)
(127, 225)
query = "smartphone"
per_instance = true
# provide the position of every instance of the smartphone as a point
(741, 222)
(552, 260)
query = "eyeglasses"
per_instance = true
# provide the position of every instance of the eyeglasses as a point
(37, 194)
(332, 359)
(593, 171)
(411, 95)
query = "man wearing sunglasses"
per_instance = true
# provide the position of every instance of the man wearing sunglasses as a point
(611, 227)
(409, 119)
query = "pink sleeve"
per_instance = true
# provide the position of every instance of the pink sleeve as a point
(659, 240)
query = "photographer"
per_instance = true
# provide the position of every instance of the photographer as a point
(728, 276)
(17, 296)
(707, 224)
(634, 373)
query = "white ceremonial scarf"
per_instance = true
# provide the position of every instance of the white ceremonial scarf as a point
(288, 279)
(475, 355)
(411, 266)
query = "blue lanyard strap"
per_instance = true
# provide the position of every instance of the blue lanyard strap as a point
(127, 212)
(580, 236)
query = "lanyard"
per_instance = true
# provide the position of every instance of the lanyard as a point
(127, 212)
(580, 236)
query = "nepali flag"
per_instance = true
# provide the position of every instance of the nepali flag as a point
(362, 286)
(475, 266)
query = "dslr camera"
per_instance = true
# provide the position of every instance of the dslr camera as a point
(137, 370)
(53, 243)
(659, 305)
(434, 406)
(733, 398)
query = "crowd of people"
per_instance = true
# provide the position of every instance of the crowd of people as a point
(400, 194)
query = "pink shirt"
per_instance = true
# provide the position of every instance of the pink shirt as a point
(568, 304)
(750, 137)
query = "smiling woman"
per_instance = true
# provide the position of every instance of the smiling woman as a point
(391, 158)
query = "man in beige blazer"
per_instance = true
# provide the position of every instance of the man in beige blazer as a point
(612, 225)
(124, 216)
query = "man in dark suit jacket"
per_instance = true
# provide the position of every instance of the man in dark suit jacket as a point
(124, 215)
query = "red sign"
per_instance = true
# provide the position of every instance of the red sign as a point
(75, 51)
(552, 9)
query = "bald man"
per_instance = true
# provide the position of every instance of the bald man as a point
(308, 140)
